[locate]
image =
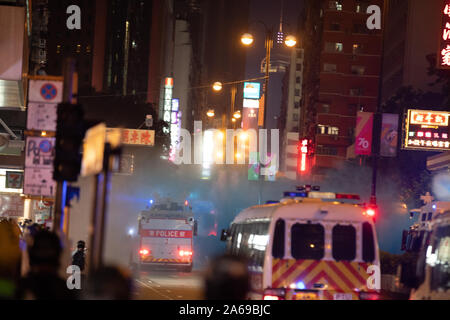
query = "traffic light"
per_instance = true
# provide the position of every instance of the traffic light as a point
(70, 131)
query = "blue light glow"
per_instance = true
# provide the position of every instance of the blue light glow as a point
(434, 206)
(301, 285)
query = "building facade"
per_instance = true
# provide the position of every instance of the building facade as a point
(341, 76)
(408, 42)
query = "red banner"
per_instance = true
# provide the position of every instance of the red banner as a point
(364, 128)
(166, 233)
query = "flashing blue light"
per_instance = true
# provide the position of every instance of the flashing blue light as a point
(301, 285)
(295, 194)
(434, 206)
(151, 201)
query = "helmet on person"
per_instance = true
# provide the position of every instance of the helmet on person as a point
(81, 244)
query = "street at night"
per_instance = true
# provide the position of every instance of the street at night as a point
(183, 153)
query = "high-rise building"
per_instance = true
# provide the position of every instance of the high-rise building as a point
(408, 42)
(341, 75)
(290, 113)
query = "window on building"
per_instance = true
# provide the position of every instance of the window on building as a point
(299, 67)
(321, 129)
(296, 105)
(357, 92)
(357, 48)
(326, 150)
(358, 70)
(335, 26)
(307, 241)
(88, 49)
(360, 28)
(335, 5)
(326, 108)
(58, 49)
(297, 92)
(334, 47)
(298, 80)
(361, 6)
(334, 131)
(329, 67)
(78, 49)
(344, 243)
(295, 116)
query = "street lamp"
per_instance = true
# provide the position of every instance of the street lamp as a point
(237, 115)
(290, 41)
(217, 86)
(211, 113)
(247, 39)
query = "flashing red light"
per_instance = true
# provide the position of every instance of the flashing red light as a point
(186, 203)
(185, 253)
(144, 252)
(271, 297)
(370, 212)
(347, 196)
(369, 296)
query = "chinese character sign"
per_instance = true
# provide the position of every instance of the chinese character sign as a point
(138, 137)
(444, 48)
(427, 130)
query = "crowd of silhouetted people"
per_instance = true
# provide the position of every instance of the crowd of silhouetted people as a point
(31, 268)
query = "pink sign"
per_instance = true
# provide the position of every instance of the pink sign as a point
(364, 127)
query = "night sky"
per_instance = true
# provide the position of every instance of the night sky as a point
(269, 11)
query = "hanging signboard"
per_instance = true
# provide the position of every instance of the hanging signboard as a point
(363, 133)
(38, 177)
(11, 205)
(14, 180)
(41, 116)
(427, 130)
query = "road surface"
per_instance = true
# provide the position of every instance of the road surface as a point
(166, 284)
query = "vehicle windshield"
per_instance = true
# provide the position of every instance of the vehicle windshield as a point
(440, 259)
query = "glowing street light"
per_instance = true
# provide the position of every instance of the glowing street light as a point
(217, 86)
(290, 41)
(211, 113)
(237, 115)
(247, 39)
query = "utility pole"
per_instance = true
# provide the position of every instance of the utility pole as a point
(268, 45)
(378, 114)
(61, 186)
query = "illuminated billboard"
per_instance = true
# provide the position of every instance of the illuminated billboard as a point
(252, 90)
(427, 130)
(444, 47)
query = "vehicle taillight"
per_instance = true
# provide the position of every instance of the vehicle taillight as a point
(274, 294)
(185, 253)
(144, 252)
(369, 296)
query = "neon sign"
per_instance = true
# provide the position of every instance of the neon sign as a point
(303, 156)
(427, 130)
(444, 48)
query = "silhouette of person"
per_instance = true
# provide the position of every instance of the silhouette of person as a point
(227, 278)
